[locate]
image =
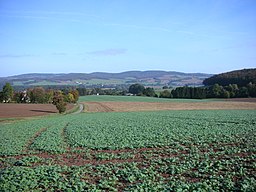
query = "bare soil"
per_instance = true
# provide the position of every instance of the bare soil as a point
(146, 106)
(14, 110)
(99, 107)
(140, 155)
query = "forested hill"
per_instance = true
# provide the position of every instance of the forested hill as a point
(239, 77)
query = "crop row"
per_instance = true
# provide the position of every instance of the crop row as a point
(146, 151)
(15, 137)
(130, 130)
(184, 173)
(155, 129)
(51, 140)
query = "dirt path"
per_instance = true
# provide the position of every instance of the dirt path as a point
(146, 106)
(81, 108)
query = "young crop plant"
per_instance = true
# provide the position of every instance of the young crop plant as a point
(133, 151)
(15, 137)
(51, 140)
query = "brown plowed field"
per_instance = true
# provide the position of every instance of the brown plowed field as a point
(98, 107)
(12, 110)
(146, 106)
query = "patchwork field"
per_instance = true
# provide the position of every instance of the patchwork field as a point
(185, 150)
(101, 98)
(147, 106)
(131, 103)
(125, 104)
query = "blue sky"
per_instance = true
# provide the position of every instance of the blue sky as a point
(209, 36)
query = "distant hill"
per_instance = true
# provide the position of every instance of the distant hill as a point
(147, 78)
(239, 77)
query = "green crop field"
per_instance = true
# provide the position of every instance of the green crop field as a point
(98, 98)
(207, 150)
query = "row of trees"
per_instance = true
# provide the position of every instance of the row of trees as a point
(39, 95)
(100, 91)
(140, 90)
(60, 98)
(215, 91)
(135, 89)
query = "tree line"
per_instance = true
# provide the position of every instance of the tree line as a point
(59, 98)
(186, 92)
(101, 91)
(70, 95)
(215, 91)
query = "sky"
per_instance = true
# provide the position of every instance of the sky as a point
(84, 36)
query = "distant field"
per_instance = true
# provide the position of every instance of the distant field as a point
(111, 106)
(132, 151)
(98, 98)
(104, 103)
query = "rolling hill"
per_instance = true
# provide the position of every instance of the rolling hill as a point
(147, 78)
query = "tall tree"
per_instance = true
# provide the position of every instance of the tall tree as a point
(136, 89)
(252, 89)
(150, 92)
(232, 89)
(75, 94)
(166, 94)
(243, 92)
(58, 101)
(7, 93)
(37, 95)
(215, 91)
(70, 98)
(49, 96)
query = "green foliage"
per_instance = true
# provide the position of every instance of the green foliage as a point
(98, 98)
(72, 96)
(51, 140)
(215, 91)
(59, 102)
(41, 95)
(165, 94)
(243, 92)
(136, 89)
(189, 92)
(162, 151)
(144, 129)
(75, 94)
(7, 93)
(232, 89)
(149, 92)
(15, 137)
(239, 77)
(49, 95)
(69, 98)
(37, 95)
(61, 107)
